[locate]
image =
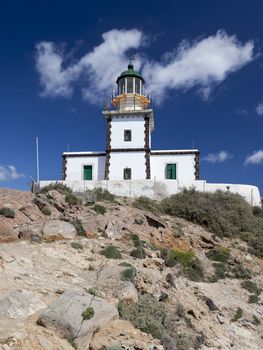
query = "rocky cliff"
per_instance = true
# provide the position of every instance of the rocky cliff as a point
(109, 275)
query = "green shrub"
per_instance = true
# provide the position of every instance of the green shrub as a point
(179, 256)
(46, 211)
(76, 245)
(138, 253)
(251, 287)
(95, 292)
(111, 252)
(220, 272)
(99, 209)
(88, 313)
(104, 195)
(238, 315)
(240, 272)
(128, 274)
(253, 299)
(121, 309)
(145, 203)
(136, 241)
(63, 189)
(78, 226)
(223, 213)
(7, 212)
(125, 264)
(71, 199)
(218, 254)
(191, 265)
(72, 342)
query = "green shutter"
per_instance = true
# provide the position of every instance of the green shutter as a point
(87, 172)
(171, 171)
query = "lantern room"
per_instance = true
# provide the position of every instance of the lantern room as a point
(131, 93)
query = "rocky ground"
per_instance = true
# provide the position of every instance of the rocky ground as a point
(53, 274)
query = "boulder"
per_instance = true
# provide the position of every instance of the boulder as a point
(64, 316)
(19, 304)
(32, 212)
(129, 293)
(58, 200)
(7, 232)
(114, 229)
(95, 224)
(57, 229)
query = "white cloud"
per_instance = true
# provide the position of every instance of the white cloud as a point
(202, 64)
(255, 158)
(8, 173)
(259, 109)
(219, 157)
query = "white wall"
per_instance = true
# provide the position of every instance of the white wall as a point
(185, 166)
(161, 189)
(133, 123)
(75, 165)
(133, 160)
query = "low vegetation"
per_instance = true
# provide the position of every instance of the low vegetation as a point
(138, 252)
(190, 265)
(77, 245)
(71, 199)
(111, 252)
(151, 316)
(95, 292)
(145, 203)
(7, 212)
(251, 287)
(238, 315)
(253, 299)
(104, 195)
(218, 254)
(88, 313)
(99, 209)
(46, 211)
(63, 189)
(223, 213)
(128, 274)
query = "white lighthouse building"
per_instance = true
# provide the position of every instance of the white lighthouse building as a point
(129, 166)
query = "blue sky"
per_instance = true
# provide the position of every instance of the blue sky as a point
(202, 61)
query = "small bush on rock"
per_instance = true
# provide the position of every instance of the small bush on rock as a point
(71, 199)
(238, 315)
(76, 245)
(7, 212)
(111, 252)
(145, 203)
(179, 256)
(253, 299)
(104, 195)
(99, 209)
(138, 253)
(46, 211)
(218, 254)
(88, 313)
(251, 287)
(63, 189)
(128, 274)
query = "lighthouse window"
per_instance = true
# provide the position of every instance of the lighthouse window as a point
(127, 173)
(127, 135)
(137, 86)
(130, 85)
(171, 171)
(122, 86)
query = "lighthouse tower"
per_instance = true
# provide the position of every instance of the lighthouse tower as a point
(129, 127)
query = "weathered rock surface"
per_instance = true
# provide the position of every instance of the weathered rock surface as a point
(7, 232)
(57, 229)
(18, 304)
(64, 316)
(120, 333)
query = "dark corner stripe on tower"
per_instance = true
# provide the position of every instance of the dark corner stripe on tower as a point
(147, 146)
(64, 167)
(108, 147)
(197, 165)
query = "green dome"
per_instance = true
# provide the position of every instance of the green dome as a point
(130, 72)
